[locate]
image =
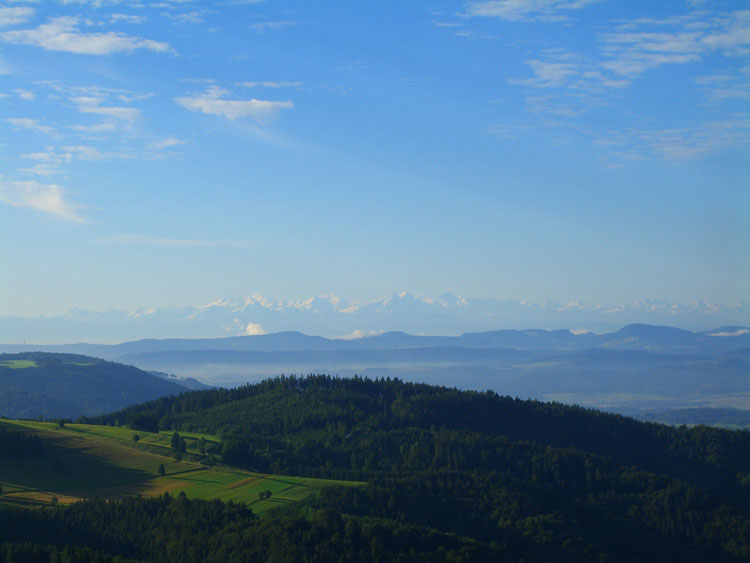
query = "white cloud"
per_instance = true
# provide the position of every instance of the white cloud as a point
(738, 332)
(548, 73)
(358, 333)
(127, 18)
(14, 16)
(41, 169)
(104, 127)
(92, 3)
(254, 329)
(91, 104)
(641, 45)
(678, 145)
(721, 87)
(85, 152)
(274, 25)
(187, 17)
(31, 124)
(25, 94)
(552, 105)
(47, 198)
(733, 37)
(526, 10)
(49, 156)
(118, 112)
(266, 84)
(61, 34)
(166, 143)
(212, 102)
(634, 53)
(75, 152)
(577, 82)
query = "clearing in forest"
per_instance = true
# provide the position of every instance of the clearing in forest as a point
(83, 461)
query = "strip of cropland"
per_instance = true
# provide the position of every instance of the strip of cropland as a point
(85, 461)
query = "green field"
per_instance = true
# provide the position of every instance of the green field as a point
(105, 462)
(19, 364)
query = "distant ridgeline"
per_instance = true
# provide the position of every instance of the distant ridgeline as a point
(638, 370)
(47, 385)
(472, 476)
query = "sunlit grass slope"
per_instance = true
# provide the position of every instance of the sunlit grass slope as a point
(106, 462)
(19, 364)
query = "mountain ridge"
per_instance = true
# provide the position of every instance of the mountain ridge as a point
(629, 337)
(337, 317)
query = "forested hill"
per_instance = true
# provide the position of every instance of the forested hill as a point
(38, 384)
(484, 466)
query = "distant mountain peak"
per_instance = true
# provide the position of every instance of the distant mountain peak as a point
(331, 315)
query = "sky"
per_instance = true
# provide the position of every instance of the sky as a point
(172, 153)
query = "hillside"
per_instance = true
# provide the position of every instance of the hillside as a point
(48, 385)
(522, 479)
(74, 462)
(450, 476)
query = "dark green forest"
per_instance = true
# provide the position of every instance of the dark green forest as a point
(51, 385)
(451, 476)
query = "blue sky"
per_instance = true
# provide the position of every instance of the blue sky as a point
(171, 153)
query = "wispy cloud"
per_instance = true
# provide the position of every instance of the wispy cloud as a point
(103, 127)
(126, 18)
(267, 84)
(45, 163)
(15, 16)
(26, 95)
(40, 169)
(731, 34)
(32, 124)
(688, 143)
(50, 161)
(573, 83)
(527, 10)
(62, 34)
(213, 102)
(552, 72)
(47, 198)
(166, 143)
(121, 113)
(92, 3)
(553, 105)
(645, 44)
(722, 87)
(676, 145)
(86, 152)
(195, 16)
(272, 25)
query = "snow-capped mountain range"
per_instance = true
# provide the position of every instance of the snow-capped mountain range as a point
(332, 316)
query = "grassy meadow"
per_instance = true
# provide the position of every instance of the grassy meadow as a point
(106, 462)
(19, 364)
